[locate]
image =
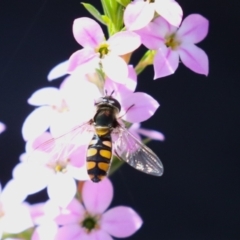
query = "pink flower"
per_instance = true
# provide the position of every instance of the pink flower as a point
(56, 170)
(2, 127)
(171, 43)
(99, 53)
(140, 12)
(92, 221)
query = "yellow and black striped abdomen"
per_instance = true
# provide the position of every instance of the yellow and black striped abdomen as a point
(99, 155)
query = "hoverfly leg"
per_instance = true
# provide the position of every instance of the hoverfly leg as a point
(117, 155)
(127, 111)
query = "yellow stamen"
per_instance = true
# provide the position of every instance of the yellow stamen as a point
(61, 108)
(102, 49)
(60, 168)
(172, 42)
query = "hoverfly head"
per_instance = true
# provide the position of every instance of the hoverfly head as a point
(109, 101)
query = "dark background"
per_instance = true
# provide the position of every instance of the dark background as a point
(198, 196)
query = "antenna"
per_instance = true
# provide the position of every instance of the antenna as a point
(112, 92)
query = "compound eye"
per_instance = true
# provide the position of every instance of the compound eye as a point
(116, 104)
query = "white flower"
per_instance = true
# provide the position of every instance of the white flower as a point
(14, 214)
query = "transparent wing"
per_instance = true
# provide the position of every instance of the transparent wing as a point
(61, 147)
(135, 153)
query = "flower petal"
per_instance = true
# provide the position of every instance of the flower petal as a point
(152, 134)
(137, 15)
(121, 221)
(87, 32)
(81, 58)
(164, 27)
(79, 173)
(73, 213)
(194, 28)
(11, 195)
(69, 232)
(138, 107)
(2, 127)
(74, 90)
(115, 68)
(77, 157)
(33, 177)
(194, 58)
(94, 200)
(37, 122)
(165, 62)
(99, 235)
(45, 96)
(46, 231)
(120, 90)
(131, 82)
(153, 35)
(64, 123)
(37, 143)
(41, 212)
(170, 10)
(58, 71)
(36, 211)
(62, 189)
(125, 42)
(17, 218)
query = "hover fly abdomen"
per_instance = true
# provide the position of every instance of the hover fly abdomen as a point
(99, 156)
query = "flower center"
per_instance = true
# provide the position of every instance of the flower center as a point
(61, 108)
(1, 211)
(172, 42)
(102, 49)
(60, 168)
(90, 223)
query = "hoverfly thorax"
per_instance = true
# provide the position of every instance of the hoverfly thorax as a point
(105, 117)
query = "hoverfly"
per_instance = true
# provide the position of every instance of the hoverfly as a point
(108, 136)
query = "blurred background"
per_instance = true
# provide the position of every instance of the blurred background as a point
(198, 197)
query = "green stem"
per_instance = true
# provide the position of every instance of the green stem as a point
(116, 164)
(147, 59)
(26, 235)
